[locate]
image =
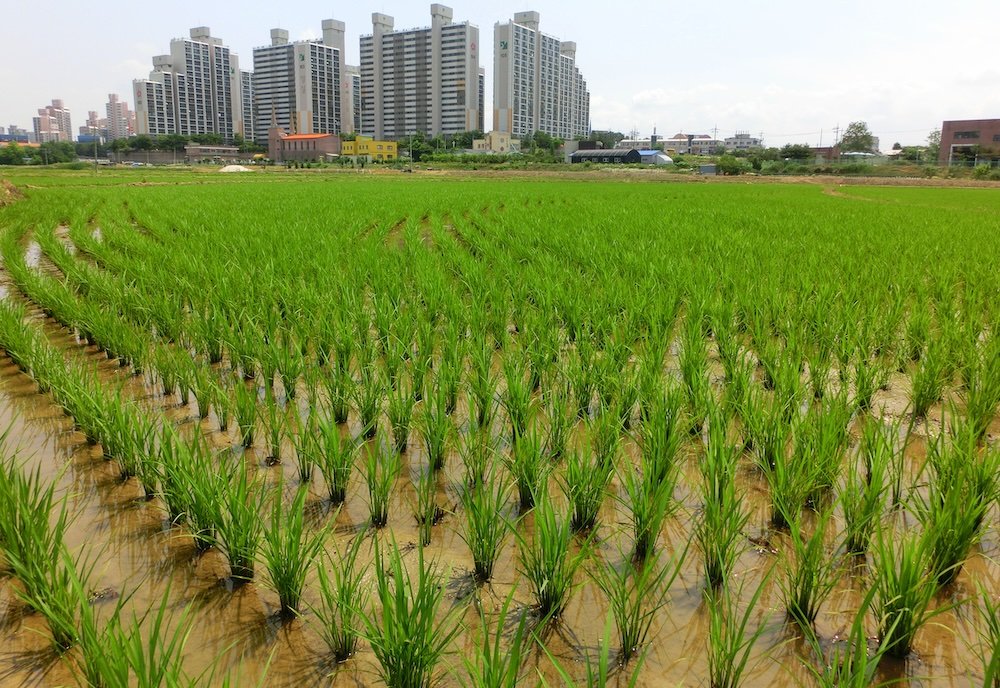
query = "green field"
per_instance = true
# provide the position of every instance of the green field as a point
(279, 429)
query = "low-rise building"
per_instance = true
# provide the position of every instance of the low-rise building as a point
(968, 141)
(284, 147)
(499, 142)
(195, 153)
(742, 141)
(613, 156)
(371, 150)
(692, 144)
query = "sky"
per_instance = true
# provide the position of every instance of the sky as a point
(791, 70)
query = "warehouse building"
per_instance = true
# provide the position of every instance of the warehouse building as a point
(613, 156)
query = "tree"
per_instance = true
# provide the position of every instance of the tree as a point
(857, 138)
(933, 145)
(141, 142)
(796, 151)
(12, 154)
(609, 139)
(897, 146)
(58, 151)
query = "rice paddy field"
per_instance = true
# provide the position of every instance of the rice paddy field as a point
(344, 430)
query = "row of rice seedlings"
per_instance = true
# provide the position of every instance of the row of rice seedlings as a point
(491, 664)
(730, 636)
(486, 526)
(436, 428)
(719, 528)
(585, 484)
(865, 492)
(239, 527)
(990, 638)
(382, 468)
(810, 574)
(406, 634)
(426, 510)
(546, 562)
(635, 593)
(289, 551)
(343, 594)
(336, 459)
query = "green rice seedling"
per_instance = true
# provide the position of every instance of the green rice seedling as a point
(426, 510)
(492, 665)
(599, 672)
(400, 412)
(476, 450)
(981, 395)
(335, 459)
(719, 529)
(516, 396)
(810, 574)
(557, 403)
(290, 364)
(166, 366)
(848, 665)
(102, 661)
(368, 394)
(585, 485)
(661, 435)
(918, 330)
(693, 360)
(419, 368)
(289, 551)
(307, 447)
(339, 389)
(239, 527)
(928, 379)
(223, 405)
(635, 594)
(246, 412)
(821, 440)
(204, 389)
(546, 562)
(904, 589)
(155, 651)
(406, 634)
(820, 365)
(486, 527)
(343, 594)
(869, 376)
(51, 594)
(436, 429)
(196, 477)
(173, 461)
(606, 436)
(276, 426)
(650, 501)
(989, 652)
(528, 467)
(961, 491)
(580, 375)
(482, 386)
(864, 494)
(381, 470)
(730, 637)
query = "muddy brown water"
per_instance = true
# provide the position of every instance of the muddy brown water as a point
(138, 554)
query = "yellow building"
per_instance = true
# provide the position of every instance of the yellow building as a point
(370, 149)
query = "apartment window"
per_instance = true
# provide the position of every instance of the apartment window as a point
(966, 134)
(996, 138)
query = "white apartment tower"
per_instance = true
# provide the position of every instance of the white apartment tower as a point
(536, 83)
(121, 120)
(247, 95)
(297, 86)
(420, 80)
(351, 98)
(53, 123)
(196, 89)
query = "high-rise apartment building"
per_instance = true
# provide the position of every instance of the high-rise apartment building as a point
(53, 123)
(352, 97)
(249, 107)
(196, 89)
(94, 127)
(420, 80)
(298, 86)
(536, 83)
(120, 120)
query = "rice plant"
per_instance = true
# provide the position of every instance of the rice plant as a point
(865, 492)
(381, 470)
(528, 467)
(436, 430)
(492, 665)
(904, 589)
(928, 380)
(400, 413)
(599, 671)
(731, 637)
(635, 593)
(276, 426)
(343, 597)
(810, 574)
(585, 485)
(426, 511)
(546, 562)
(335, 459)
(719, 528)
(239, 527)
(486, 527)
(516, 396)
(406, 634)
(288, 551)
(368, 394)
(649, 503)
(245, 409)
(557, 405)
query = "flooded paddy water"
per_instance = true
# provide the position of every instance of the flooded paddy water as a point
(140, 560)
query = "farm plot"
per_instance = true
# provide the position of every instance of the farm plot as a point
(360, 431)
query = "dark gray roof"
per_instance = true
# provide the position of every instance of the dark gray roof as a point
(605, 153)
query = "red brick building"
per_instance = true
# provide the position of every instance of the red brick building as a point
(969, 140)
(283, 147)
